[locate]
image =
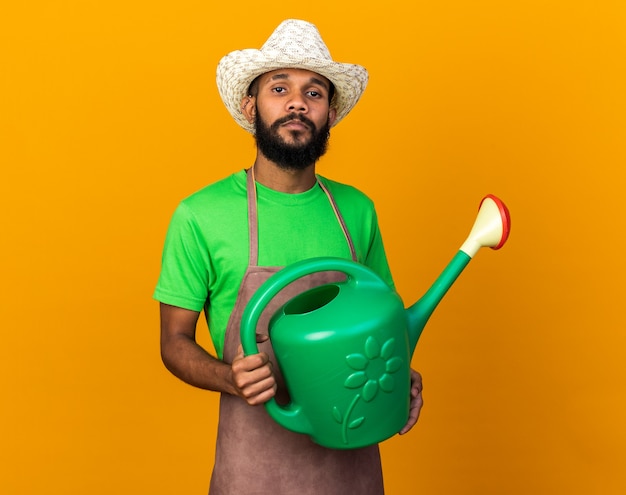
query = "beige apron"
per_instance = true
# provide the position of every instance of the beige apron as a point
(254, 455)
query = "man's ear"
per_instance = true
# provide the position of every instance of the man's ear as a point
(248, 108)
(332, 116)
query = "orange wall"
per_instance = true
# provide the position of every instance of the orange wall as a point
(109, 115)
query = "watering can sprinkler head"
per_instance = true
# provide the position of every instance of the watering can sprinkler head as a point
(491, 227)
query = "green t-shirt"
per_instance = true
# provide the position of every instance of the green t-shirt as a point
(206, 248)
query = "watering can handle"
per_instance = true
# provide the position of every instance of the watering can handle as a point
(357, 274)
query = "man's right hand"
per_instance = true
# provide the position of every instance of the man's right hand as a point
(253, 377)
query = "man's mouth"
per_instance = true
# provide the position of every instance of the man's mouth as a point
(295, 124)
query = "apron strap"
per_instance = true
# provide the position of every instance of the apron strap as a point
(342, 222)
(253, 220)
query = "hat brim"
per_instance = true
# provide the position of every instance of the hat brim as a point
(237, 70)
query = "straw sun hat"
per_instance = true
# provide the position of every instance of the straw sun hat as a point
(293, 45)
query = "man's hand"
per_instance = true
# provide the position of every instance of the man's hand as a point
(416, 401)
(253, 377)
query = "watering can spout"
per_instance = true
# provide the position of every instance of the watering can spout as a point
(491, 229)
(419, 313)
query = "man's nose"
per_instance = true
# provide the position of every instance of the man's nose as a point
(297, 104)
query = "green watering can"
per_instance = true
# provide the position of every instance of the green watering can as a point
(345, 348)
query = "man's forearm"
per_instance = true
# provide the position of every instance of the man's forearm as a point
(187, 360)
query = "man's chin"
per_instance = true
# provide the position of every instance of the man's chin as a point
(296, 139)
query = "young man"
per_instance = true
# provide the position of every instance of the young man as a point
(228, 238)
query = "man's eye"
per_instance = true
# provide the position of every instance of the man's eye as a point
(315, 94)
(278, 90)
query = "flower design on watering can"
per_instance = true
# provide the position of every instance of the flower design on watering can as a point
(372, 370)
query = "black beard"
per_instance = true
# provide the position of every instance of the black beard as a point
(291, 156)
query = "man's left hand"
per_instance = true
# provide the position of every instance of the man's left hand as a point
(416, 401)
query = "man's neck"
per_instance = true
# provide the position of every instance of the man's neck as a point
(289, 181)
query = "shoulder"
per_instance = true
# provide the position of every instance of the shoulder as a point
(207, 209)
(231, 186)
(347, 193)
(220, 193)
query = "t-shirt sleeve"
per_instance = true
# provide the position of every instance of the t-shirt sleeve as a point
(184, 277)
(376, 258)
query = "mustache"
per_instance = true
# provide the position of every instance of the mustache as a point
(294, 116)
